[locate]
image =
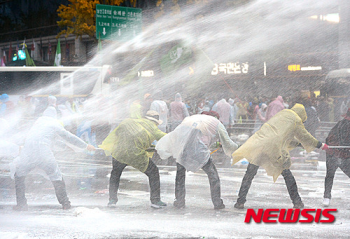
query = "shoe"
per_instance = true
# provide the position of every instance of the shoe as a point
(298, 205)
(20, 207)
(221, 206)
(158, 205)
(179, 205)
(112, 203)
(66, 206)
(326, 202)
(239, 205)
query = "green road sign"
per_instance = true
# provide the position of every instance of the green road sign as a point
(118, 23)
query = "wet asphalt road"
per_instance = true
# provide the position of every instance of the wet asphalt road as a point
(133, 217)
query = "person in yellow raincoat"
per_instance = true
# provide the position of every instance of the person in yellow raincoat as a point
(269, 147)
(128, 144)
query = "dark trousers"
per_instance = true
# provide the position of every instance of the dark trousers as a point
(60, 190)
(152, 172)
(214, 181)
(248, 178)
(332, 164)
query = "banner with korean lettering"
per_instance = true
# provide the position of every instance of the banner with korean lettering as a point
(230, 68)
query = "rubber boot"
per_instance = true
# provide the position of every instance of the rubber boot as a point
(61, 194)
(20, 194)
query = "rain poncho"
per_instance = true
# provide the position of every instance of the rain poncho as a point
(161, 107)
(234, 110)
(224, 110)
(189, 142)
(178, 111)
(269, 147)
(274, 107)
(41, 138)
(260, 118)
(129, 141)
(136, 110)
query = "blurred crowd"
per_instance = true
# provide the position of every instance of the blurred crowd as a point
(99, 115)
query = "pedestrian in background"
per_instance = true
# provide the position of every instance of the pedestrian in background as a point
(260, 117)
(161, 107)
(178, 111)
(224, 110)
(7, 107)
(274, 107)
(313, 122)
(337, 158)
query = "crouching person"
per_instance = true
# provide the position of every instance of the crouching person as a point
(129, 144)
(189, 145)
(269, 147)
(37, 153)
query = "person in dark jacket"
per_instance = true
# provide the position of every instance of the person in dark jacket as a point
(322, 109)
(313, 122)
(338, 136)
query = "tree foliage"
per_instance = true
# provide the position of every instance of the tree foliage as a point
(79, 16)
(175, 6)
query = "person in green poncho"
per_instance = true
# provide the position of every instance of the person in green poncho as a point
(129, 145)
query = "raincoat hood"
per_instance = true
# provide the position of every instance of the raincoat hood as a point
(280, 99)
(4, 97)
(300, 110)
(178, 97)
(52, 100)
(231, 101)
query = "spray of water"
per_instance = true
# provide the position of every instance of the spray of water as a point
(215, 32)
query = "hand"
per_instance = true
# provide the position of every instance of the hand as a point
(324, 147)
(90, 148)
(151, 149)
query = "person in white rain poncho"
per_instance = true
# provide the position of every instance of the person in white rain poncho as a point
(189, 145)
(160, 106)
(224, 110)
(37, 153)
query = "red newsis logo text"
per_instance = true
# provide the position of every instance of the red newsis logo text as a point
(290, 215)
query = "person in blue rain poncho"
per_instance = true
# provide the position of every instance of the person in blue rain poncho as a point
(189, 145)
(37, 153)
